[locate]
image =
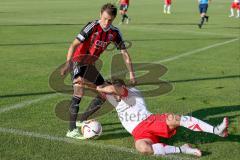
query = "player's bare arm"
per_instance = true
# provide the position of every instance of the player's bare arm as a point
(111, 89)
(71, 50)
(128, 63)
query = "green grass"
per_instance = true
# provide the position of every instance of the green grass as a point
(35, 36)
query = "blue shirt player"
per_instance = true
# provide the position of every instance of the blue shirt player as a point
(203, 6)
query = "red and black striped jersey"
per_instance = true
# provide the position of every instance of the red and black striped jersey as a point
(94, 40)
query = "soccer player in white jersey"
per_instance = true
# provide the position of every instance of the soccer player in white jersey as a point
(235, 6)
(147, 128)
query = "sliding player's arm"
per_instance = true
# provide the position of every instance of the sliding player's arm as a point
(111, 89)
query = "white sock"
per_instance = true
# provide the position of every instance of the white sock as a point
(232, 12)
(195, 124)
(165, 8)
(158, 149)
(238, 12)
(169, 8)
(161, 149)
(171, 149)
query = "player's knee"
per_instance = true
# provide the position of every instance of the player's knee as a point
(144, 148)
(172, 120)
(78, 90)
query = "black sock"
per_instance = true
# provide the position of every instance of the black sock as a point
(123, 18)
(202, 21)
(74, 108)
(126, 16)
(95, 105)
(206, 17)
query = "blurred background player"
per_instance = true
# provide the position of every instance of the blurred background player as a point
(235, 6)
(147, 128)
(203, 6)
(84, 51)
(124, 4)
(167, 6)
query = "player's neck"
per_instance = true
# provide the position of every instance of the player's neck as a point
(104, 28)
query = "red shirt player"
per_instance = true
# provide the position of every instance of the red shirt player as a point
(235, 6)
(84, 51)
(124, 4)
(167, 6)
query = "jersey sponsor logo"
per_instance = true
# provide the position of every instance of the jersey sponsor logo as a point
(99, 43)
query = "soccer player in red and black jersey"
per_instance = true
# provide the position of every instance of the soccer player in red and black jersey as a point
(124, 4)
(89, 44)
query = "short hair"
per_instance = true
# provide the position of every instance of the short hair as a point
(116, 82)
(110, 8)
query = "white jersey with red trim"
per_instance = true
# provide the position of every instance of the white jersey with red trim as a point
(131, 109)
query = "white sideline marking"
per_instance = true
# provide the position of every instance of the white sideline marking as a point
(64, 139)
(181, 55)
(26, 103)
(179, 31)
(196, 51)
(80, 142)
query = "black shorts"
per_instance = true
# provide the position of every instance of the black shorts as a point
(203, 8)
(88, 72)
(123, 7)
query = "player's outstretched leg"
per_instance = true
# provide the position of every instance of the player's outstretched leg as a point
(146, 146)
(195, 124)
(222, 129)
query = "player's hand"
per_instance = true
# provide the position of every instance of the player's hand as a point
(98, 88)
(65, 68)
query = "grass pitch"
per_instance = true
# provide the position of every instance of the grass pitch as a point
(203, 67)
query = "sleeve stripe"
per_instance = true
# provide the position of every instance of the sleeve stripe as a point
(89, 27)
(80, 37)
